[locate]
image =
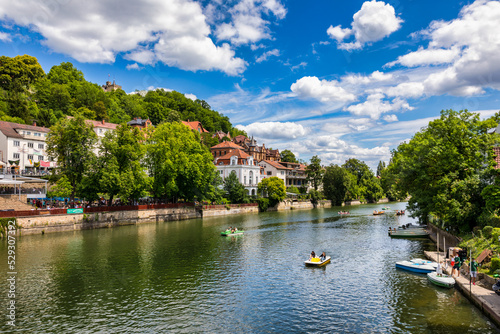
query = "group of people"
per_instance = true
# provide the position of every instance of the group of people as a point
(400, 212)
(344, 213)
(231, 229)
(456, 263)
(322, 257)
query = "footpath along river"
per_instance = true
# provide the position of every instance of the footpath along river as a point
(183, 277)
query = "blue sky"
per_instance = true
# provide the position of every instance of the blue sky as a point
(337, 79)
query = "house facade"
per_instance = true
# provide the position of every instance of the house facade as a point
(243, 165)
(196, 126)
(224, 148)
(272, 168)
(295, 175)
(22, 147)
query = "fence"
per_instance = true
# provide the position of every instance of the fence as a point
(223, 206)
(25, 213)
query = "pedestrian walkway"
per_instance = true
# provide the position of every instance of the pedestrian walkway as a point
(485, 299)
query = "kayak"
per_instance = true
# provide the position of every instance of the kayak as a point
(375, 213)
(316, 262)
(230, 234)
(443, 280)
(415, 267)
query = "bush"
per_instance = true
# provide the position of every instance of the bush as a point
(495, 264)
(495, 233)
(263, 204)
(487, 231)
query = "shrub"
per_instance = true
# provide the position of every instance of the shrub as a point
(495, 233)
(263, 204)
(487, 231)
(495, 264)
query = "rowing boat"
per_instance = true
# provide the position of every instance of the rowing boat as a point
(443, 280)
(231, 234)
(415, 267)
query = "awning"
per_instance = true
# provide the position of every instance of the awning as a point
(10, 182)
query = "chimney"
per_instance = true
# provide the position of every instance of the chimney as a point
(34, 123)
(102, 121)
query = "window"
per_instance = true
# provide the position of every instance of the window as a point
(38, 134)
(30, 145)
(28, 133)
(269, 173)
(30, 156)
(40, 158)
(282, 172)
(100, 130)
(16, 155)
(40, 146)
(16, 143)
(250, 177)
(245, 179)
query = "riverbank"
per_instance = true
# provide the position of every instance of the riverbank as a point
(485, 299)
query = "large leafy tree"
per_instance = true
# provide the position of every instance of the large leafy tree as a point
(314, 172)
(363, 176)
(180, 166)
(121, 154)
(71, 142)
(288, 156)
(446, 166)
(336, 183)
(235, 191)
(274, 188)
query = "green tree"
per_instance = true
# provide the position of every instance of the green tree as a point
(445, 167)
(62, 188)
(274, 188)
(380, 168)
(363, 175)
(374, 191)
(121, 154)
(288, 156)
(178, 163)
(235, 191)
(314, 172)
(71, 142)
(19, 73)
(336, 183)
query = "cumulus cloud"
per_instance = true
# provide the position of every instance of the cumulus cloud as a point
(248, 21)
(171, 31)
(191, 96)
(390, 118)
(374, 21)
(275, 130)
(322, 90)
(133, 66)
(375, 106)
(268, 54)
(5, 37)
(434, 56)
(375, 77)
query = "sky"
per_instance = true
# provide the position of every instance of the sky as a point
(336, 79)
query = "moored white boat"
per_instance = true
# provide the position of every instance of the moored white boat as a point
(415, 267)
(316, 262)
(443, 280)
(423, 261)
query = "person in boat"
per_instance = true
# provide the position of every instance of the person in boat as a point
(322, 257)
(439, 270)
(313, 255)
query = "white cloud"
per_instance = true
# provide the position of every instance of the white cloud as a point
(374, 106)
(275, 130)
(248, 23)
(427, 57)
(172, 31)
(406, 90)
(390, 118)
(133, 66)
(267, 54)
(5, 37)
(375, 77)
(324, 91)
(191, 96)
(374, 21)
(338, 33)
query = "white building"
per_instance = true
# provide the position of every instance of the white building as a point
(273, 168)
(22, 147)
(245, 167)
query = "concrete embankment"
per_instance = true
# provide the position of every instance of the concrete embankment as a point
(485, 299)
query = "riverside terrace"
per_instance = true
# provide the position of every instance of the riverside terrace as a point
(32, 188)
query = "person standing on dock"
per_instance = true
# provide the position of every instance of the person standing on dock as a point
(456, 265)
(473, 271)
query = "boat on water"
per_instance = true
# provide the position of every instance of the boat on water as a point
(400, 212)
(386, 208)
(229, 233)
(423, 261)
(408, 233)
(421, 268)
(316, 262)
(375, 213)
(446, 281)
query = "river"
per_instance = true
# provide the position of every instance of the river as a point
(183, 277)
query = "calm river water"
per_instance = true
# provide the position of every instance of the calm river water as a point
(183, 277)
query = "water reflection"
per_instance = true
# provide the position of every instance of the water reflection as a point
(184, 277)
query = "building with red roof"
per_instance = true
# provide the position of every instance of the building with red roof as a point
(243, 165)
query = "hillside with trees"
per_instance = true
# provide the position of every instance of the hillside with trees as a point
(28, 94)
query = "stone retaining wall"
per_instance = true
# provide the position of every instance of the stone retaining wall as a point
(59, 223)
(231, 211)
